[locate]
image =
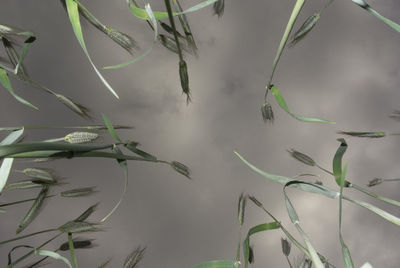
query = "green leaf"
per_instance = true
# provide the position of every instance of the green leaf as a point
(256, 229)
(110, 128)
(73, 13)
(216, 264)
(337, 161)
(281, 101)
(6, 165)
(6, 83)
(53, 255)
(296, 221)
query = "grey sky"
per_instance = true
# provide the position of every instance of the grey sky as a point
(346, 70)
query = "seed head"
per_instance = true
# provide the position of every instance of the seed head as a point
(267, 113)
(374, 182)
(81, 137)
(302, 157)
(181, 168)
(286, 246)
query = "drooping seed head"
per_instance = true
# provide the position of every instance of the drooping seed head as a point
(75, 107)
(77, 227)
(286, 246)
(241, 208)
(134, 258)
(81, 137)
(122, 39)
(219, 8)
(183, 73)
(181, 168)
(374, 182)
(42, 175)
(267, 113)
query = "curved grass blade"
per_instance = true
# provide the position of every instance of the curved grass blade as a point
(110, 128)
(132, 147)
(348, 261)
(25, 236)
(6, 83)
(281, 101)
(73, 13)
(322, 190)
(6, 165)
(363, 134)
(296, 10)
(150, 17)
(256, 229)
(124, 165)
(52, 254)
(216, 264)
(367, 7)
(134, 258)
(72, 250)
(34, 210)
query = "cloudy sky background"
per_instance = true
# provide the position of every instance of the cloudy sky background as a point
(346, 70)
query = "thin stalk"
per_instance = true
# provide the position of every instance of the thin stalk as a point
(72, 250)
(25, 236)
(172, 22)
(287, 258)
(22, 201)
(325, 6)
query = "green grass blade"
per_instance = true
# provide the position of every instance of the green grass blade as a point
(52, 254)
(110, 128)
(34, 210)
(337, 161)
(73, 13)
(150, 16)
(124, 165)
(295, 220)
(216, 264)
(348, 261)
(295, 13)
(72, 250)
(282, 103)
(6, 165)
(6, 83)
(256, 229)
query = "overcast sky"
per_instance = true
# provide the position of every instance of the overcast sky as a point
(346, 70)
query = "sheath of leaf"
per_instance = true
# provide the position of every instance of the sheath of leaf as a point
(78, 227)
(134, 258)
(122, 39)
(363, 134)
(307, 26)
(186, 28)
(34, 210)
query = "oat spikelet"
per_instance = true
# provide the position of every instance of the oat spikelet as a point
(81, 137)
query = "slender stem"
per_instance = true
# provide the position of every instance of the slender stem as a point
(28, 235)
(72, 250)
(325, 6)
(22, 201)
(287, 258)
(172, 22)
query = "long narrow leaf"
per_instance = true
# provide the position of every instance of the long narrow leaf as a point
(73, 13)
(53, 255)
(216, 264)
